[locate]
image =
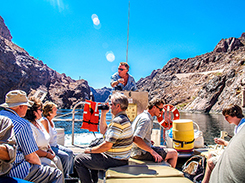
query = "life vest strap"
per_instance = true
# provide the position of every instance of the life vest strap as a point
(183, 142)
(89, 122)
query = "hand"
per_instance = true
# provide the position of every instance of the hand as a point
(87, 151)
(219, 141)
(50, 155)
(121, 80)
(157, 157)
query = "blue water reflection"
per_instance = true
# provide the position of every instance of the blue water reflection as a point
(210, 124)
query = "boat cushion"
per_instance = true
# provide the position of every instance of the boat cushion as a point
(142, 171)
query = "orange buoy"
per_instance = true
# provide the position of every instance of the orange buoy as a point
(167, 122)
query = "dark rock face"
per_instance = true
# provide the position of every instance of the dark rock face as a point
(205, 83)
(18, 70)
(4, 31)
(226, 45)
(100, 95)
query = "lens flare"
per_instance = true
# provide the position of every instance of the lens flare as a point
(96, 21)
(110, 56)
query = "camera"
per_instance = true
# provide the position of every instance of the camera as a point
(103, 107)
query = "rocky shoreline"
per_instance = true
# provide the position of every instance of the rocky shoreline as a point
(206, 83)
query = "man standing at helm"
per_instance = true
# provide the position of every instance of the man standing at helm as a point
(122, 80)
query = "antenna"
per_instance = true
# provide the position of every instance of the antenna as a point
(128, 31)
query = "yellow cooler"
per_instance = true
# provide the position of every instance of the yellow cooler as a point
(183, 135)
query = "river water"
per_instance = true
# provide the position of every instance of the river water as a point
(209, 124)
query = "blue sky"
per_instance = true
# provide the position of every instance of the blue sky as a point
(62, 34)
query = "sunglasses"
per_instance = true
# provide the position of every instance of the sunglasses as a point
(160, 109)
(121, 69)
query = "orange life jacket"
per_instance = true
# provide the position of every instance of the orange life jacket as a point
(90, 116)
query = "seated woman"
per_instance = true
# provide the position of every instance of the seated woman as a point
(65, 154)
(47, 156)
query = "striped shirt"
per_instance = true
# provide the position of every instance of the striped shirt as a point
(25, 144)
(120, 133)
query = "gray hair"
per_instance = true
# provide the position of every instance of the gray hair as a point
(120, 99)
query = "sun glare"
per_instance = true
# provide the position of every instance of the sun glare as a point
(96, 21)
(57, 3)
(110, 56)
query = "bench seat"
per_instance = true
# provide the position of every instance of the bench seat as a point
(151, 180)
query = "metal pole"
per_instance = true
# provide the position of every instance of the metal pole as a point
(73, 119)
(128, 31)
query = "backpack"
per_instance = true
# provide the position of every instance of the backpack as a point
(194, 168)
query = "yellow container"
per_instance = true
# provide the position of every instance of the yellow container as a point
(183, 135)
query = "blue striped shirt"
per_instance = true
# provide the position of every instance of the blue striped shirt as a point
(26, 144)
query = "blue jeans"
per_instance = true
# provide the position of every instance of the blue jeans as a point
(87, 165)
(66, 157)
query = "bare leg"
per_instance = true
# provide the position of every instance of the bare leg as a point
(209, 168)
(172, 157)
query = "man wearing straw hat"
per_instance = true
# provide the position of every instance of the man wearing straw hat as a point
(27, 164)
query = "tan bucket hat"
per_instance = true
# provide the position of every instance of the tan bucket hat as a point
(15, 98)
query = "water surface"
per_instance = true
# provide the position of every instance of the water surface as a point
(209, 124)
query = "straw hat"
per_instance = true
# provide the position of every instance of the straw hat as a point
(15, 98)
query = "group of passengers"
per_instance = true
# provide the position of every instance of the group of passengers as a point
(38, 157)
(29, 149)
(35, 155)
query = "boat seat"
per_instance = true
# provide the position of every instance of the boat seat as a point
(142, 171)
(133, 161)
(151, 180)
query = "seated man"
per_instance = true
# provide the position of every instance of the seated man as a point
(7, 145)
(233, 115)
(122, 80)
(27, 164)
(231, 164)
(142, 126)
(116, 148)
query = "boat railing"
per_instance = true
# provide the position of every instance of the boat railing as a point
(73, 120)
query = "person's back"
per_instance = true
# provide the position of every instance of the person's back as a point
(7, 145)
(21, 127)
(142, 126)
(231, 164)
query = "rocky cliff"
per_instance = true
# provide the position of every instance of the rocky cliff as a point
(19, 70)
(100, 95)
(205, 83)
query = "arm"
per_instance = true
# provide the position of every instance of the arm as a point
(141, 144)
(50, 154)
(105, 146)
(8, 141)
(221, 141)
(115, 80)
(133, 84)
(4, 153)
(103, 125)
(33, 158)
